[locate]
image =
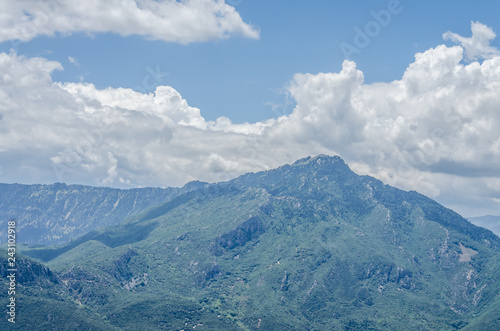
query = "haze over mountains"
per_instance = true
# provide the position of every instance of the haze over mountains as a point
(307, 246)
(490, 222)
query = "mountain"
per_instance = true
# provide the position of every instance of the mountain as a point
(54, 214)
(307, 246)
(489, 222)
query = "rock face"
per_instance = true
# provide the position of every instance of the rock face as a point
(29, 272)
(307, 246)
(249, 230)
(53, 214)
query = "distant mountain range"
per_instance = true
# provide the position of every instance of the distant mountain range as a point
(54, 214)
(306, 246)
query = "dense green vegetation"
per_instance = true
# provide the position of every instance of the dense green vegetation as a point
(308, 246)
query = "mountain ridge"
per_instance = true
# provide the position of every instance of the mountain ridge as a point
(337, 166)
(55, 213)
(59, 223)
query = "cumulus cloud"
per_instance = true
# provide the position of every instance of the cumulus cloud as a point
(435, 130)
(76, 133)
(183, 21)
(478, 46)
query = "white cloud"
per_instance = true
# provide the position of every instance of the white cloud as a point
(435, 130)
(183, 21)
(479, 45)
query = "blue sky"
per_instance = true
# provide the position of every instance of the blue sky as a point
(239, 77)
(133, 93)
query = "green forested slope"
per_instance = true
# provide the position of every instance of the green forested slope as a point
(308, 246)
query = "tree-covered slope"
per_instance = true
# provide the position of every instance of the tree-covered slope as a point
(43, 302)
(307, 246)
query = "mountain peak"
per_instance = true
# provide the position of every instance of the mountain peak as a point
(320, 159)
(323, 164)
